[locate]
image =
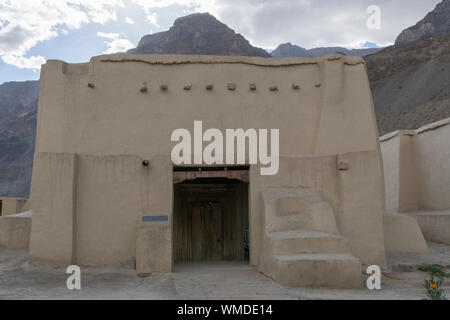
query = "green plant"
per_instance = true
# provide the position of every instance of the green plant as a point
(434, 290)
(433, 286)
(435, 271)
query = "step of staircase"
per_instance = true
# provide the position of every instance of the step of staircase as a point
(290, 223)
(292, 205)
(318, 270)
(317, 215)
(302, 242)
(295, 204)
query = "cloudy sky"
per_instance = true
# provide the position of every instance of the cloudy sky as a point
(32, 31)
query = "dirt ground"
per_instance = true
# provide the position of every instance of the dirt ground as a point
(221, 280)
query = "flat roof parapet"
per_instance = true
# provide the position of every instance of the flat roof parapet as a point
(428, 127)
(173, 59)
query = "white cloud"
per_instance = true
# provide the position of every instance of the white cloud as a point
(116, 42)
(308, 23)
(152, 17)
(33, 62)
(118, 45)
(111, 36)
(27, 23)
(312, 23)
(148, 6)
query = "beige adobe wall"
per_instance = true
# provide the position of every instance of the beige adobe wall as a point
(432, 147)
(409, 186)
(435, 225)
(401, 187)
(11, 206)
(90, 189)
(391, 159)
(402, 234)
(154, 248)
(113, 193)
(360, 218)
(15, 230)
(87, 207)
(27, 206)
(330, 113)
(53, 188)
(417, 168)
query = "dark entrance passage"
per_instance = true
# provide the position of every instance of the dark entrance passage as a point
(211, 220)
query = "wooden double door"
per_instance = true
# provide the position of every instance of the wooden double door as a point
(210, 221)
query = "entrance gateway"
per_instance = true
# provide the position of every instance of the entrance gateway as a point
(106, 192)
(210, 221)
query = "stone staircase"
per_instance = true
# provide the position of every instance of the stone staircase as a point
(302, 245)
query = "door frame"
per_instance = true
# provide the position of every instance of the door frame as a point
(189, 174)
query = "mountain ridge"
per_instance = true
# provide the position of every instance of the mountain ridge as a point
(287, 50)
(199, 33)
(411, 83)
(435, 23)
(18, 113)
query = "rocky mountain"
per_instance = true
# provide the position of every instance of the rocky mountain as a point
(436, 23)
(199, 33)
(194, 34)
(411, 83)
(286, 50)
(18, 108)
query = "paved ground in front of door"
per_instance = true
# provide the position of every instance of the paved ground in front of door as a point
(19, 280)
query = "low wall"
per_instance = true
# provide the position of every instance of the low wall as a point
(11, 206)
(86, 208)
(417, 168)
(402, 234)
(435, 226)
(15, 231)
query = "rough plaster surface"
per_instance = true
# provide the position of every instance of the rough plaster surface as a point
(153, 248)
(353, 195)
(302, 246)
(81, 103)
(402, 234)
(96, 125)
(417, 182)
(15, 230)
(435, 225)
(417, 168)
(12, 206)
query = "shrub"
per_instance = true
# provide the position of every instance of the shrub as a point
(433, 286)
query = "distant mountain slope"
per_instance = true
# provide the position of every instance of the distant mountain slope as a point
(18, 108)
(435, 23)
(287, 50)
(194, 34)
(199, 33)
(411, 83)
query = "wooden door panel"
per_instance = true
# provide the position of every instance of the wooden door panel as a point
(210, 222)
(196, 231)
(212, 230)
